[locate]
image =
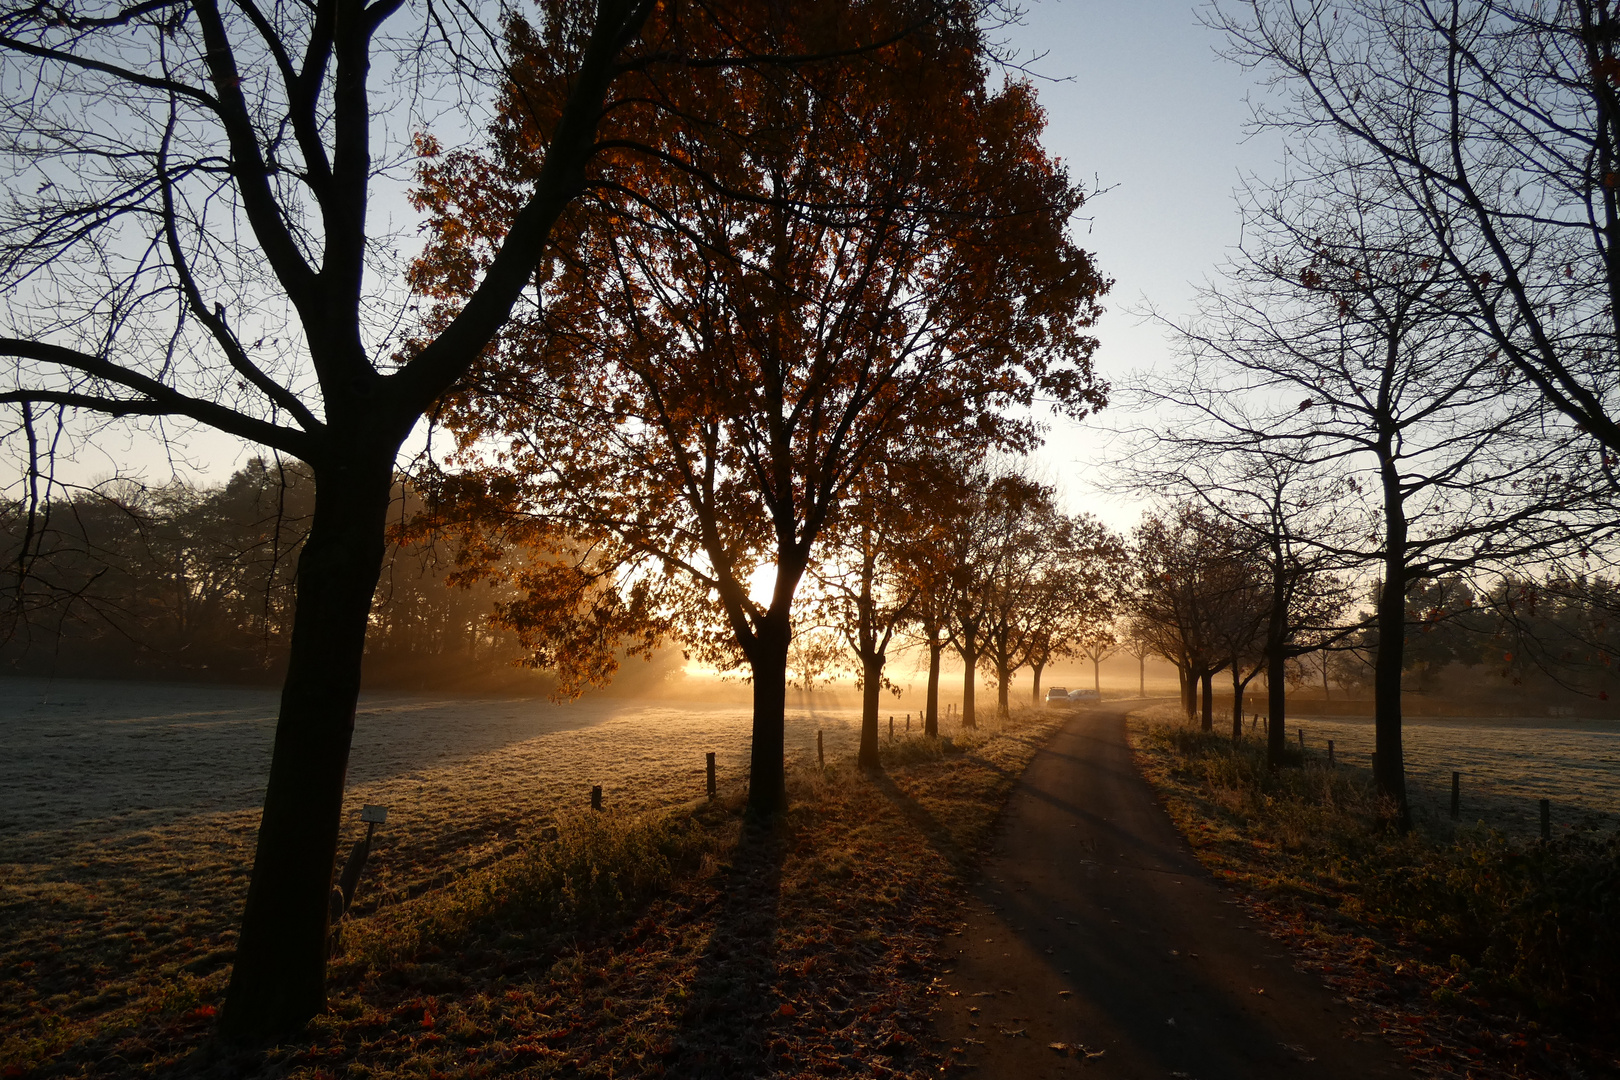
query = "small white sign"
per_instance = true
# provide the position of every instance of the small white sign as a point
(378, 814)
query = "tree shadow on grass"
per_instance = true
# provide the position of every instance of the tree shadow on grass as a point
(938, 836)
(725, 1030)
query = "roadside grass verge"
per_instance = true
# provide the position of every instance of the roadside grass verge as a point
(599, 868)
(1481, 954)
(682, 942)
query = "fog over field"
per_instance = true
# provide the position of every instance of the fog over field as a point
(94, 762)
(119, 756)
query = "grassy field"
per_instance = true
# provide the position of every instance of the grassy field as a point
(118, 915)
(1484, 953)
(1507, 766)
(130, 796)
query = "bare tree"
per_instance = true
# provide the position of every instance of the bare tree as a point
(1492, 128)
(1287, 513)
(188, 176)
(1098, 643)
(1240, 626)
(1137, 640)
(1287, 518)
(1193, 584)
(1333, 347)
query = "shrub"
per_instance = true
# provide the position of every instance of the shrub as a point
(1539, 921)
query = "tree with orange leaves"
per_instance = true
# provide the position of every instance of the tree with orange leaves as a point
(863, 584)
(776, 274)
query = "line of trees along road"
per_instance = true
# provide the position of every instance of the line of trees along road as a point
(1210, 595)
(737, 334)
(192, 244)
(973, 554)
(1421, 322)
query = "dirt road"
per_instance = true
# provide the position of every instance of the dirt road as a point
(1095, 927)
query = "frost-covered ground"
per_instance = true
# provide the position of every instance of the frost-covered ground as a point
(113, 789)
(126, 752)
(85, 758)
(128, 810)
(1507, 765)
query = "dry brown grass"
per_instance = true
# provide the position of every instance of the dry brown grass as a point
(1480, 955)
(679, 943)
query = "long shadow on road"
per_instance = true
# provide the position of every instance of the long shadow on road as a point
(1095, 927)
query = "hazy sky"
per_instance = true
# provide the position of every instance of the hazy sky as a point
(1139, 104)
(1147, 107)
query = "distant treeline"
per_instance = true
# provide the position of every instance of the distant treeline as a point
(1214, 595)
(1551, 637)
(122, 580)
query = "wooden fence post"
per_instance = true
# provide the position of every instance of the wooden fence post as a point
(1546, 819)
(596, 797)
(710, 757)
(821, 758)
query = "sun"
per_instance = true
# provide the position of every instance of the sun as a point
(761, 583)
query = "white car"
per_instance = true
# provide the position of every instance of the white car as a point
(1080, 697)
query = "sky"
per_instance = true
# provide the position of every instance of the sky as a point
(1141, 106)
(1142, 109)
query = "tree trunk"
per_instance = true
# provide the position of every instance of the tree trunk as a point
(1141, 676)
(767, 783)
(1096, 677)
(931, 721)
(1326, 695)
(1189, 691)
(278, 980)
(1276, 662)
(1276, 705)
(970, 660)
(871, 684)
(1389, 760)
(1389, 764)
(1237, 706)
(1207, 678)
(1003, 687)
(1035, 694)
